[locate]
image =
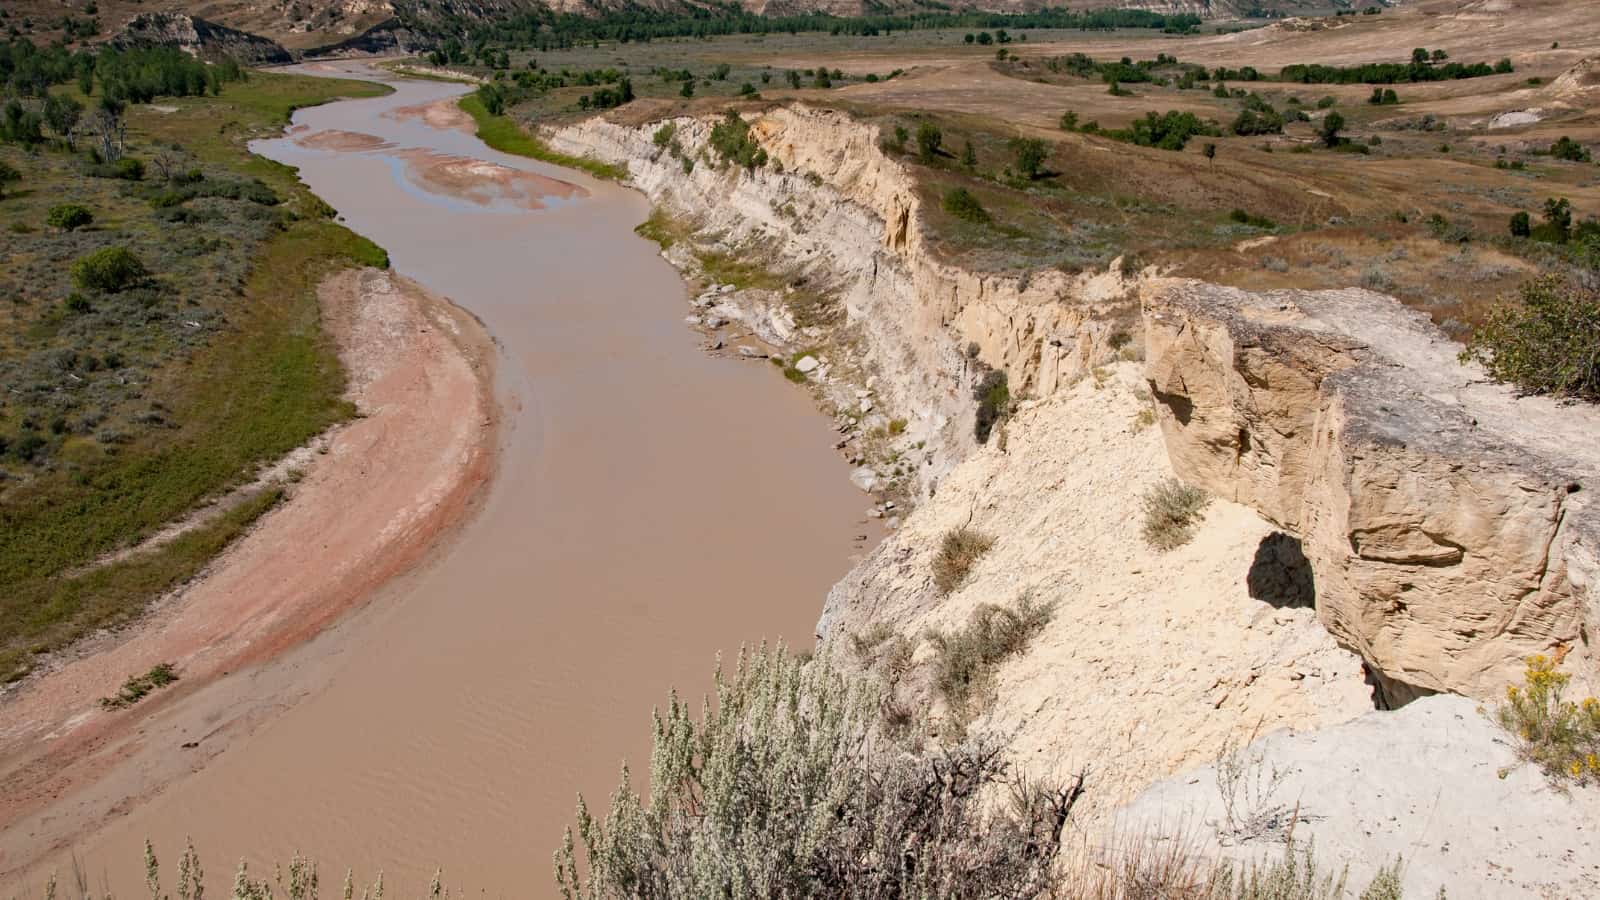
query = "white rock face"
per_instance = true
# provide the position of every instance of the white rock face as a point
(1421, 782)
(1152, 660)
(1447, 520)
(807, 364)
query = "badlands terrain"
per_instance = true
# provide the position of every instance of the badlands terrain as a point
(1164, 394)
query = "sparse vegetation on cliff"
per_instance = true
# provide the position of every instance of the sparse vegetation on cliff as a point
(958, 553)
(1546, 341)
(1171, 510)
(967, 657)
(1557, 735)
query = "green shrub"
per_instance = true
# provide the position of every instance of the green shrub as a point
(967, 657)
(137, 687)
(1030, 154)
(1545, 342)
(733, 143)
(961, 203)
(1557, 735)
(1171, 510)
(664, 135)
(1254, 221)
(68, 217)
(779, 791)
(958, 553)
(993, 394)
(109, 269)
(929, 139)
(8, 174)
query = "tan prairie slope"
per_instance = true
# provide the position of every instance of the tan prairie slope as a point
(1152, 660)
(1448, 522)
(375, 495)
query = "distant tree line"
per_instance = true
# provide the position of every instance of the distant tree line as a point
(1424, 66)
(548, 29)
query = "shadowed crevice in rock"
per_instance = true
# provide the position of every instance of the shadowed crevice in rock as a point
(1280, 575)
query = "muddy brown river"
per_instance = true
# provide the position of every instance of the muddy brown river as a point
(654, 505)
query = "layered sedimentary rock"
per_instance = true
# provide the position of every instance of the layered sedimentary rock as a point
(1446, 520)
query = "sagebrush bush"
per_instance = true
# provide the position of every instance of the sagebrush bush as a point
(68, 216)
(781, 791)
(1557, 735)
(958, 553)
(967, 657)
(1171, 509)
(1545, 342)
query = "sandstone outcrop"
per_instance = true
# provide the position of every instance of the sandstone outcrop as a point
(1446, 520)
(201, 38)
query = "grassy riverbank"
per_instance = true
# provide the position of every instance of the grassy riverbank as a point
(504, 134)
(137, 406)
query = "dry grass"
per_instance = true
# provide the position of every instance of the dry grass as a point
(1171, 510)
(958, 553)
(966, 658)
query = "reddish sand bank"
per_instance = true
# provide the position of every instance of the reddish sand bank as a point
(375, 495)
(484, 183)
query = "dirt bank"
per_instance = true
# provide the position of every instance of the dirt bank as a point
(369, 501)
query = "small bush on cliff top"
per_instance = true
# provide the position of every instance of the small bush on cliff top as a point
(733, 143)
(963, 205)
(1171, 509)
(1557, 735)
(1548, 343)
(960, 551)
(779, 791)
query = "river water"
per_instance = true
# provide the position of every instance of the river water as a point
(654, 506)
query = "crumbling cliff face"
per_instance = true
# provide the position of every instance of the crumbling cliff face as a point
(1446, 520)
(833, 208)
(201, 38)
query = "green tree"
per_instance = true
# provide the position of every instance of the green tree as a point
(109, 270)
(794, 79)
(1030, 154)
(8, 175)
(1210, 151)
(969, 156)
(1570, 150)
(929, 137)
(1557, 227)
(985, 38)
(1332, 124)
(1069, 121)
(1521, 224)
(687, 90)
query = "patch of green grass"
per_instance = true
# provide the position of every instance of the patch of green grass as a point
(504, 134)
(725, 268)
(659, 228)
(137, 687)
(41, 614)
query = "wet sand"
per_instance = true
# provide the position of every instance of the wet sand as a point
(653, 507)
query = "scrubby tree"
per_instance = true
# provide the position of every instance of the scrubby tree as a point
(1210, 151)
(61, 115)
(1557, 227)
(1030, 154)
(1328, 131)
(1546, 341)
(1570, 150)
(794, 79)
(8, 175)
(969, 156)
(1069, 121)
